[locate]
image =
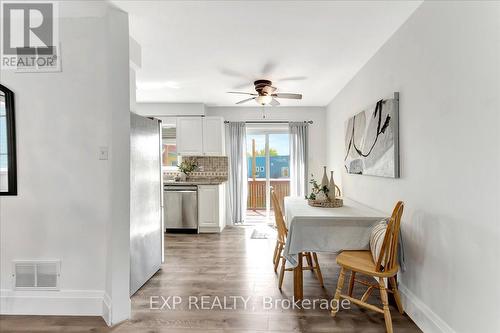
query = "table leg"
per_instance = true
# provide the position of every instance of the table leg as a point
(298, 291)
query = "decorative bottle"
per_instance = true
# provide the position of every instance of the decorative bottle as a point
(324, 181)
(331, 187)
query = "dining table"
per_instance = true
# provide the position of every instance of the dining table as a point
(330, 230)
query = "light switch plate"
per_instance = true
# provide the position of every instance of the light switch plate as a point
(103, 153)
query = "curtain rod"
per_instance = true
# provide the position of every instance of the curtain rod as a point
(270, 122)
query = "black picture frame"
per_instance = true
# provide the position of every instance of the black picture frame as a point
(11, 141)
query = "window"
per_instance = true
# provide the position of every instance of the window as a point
(169, 154)
(278, 155)
(170, 158)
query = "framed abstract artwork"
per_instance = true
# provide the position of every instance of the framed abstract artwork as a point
(372, 140)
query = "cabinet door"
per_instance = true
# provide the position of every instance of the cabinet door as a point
(213, 136)
(208, 204)
(189, 135)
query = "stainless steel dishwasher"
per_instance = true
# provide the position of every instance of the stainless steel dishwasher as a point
(181, 207)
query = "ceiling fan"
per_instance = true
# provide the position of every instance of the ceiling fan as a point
(266, 94)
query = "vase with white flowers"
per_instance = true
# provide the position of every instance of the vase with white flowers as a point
(319, 192)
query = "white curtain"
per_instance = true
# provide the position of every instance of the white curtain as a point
(298, 158)
(238, 175)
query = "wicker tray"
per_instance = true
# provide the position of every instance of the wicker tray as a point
(336, 203)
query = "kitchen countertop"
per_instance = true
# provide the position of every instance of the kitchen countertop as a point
(207, 181)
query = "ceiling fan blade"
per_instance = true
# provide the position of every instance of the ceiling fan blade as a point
(243, 93)
(287, 95)
(269, 90)
(243, 85)
(246, 100)
(233, 73)
(292, 78)
(268, 68)
(274, 102)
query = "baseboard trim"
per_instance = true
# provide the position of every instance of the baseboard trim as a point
(426, 319)
(59, 302)
(106, 309)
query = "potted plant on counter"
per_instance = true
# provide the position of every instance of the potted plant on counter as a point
(186, 167)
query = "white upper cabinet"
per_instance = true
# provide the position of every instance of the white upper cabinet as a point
(213, 136)
(198, 136)
(189, 134)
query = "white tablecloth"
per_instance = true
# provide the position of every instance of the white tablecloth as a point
(315, 229)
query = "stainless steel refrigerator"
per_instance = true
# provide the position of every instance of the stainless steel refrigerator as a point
(146, 200)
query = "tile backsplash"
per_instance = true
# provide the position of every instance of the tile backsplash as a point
(208, 167)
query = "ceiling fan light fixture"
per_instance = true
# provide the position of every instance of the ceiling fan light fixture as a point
(265, 94)
(264, 99)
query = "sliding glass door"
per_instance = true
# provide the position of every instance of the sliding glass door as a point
(268, 161)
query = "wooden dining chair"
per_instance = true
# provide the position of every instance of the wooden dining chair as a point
(384, 267)
(311, 257)
(282, 233)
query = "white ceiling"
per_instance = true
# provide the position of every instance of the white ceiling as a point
(196, 51)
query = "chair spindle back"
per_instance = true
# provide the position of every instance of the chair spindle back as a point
(278, 217)
(388, 256)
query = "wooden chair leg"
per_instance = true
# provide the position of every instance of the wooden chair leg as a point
(351, 282)
(278, 256)
(282, 272)
(395, 292)
(317, 269)
(275, 256)
(385, 303)
(336, 298)
(298, 282)
(309, 261)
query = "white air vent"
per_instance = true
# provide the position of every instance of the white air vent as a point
(40, 275)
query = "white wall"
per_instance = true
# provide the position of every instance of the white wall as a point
(317, 136)
(170, 109)
(135, 51)
(71, 205)
(445, 63)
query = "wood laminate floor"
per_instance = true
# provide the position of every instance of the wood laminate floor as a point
(228, 267)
